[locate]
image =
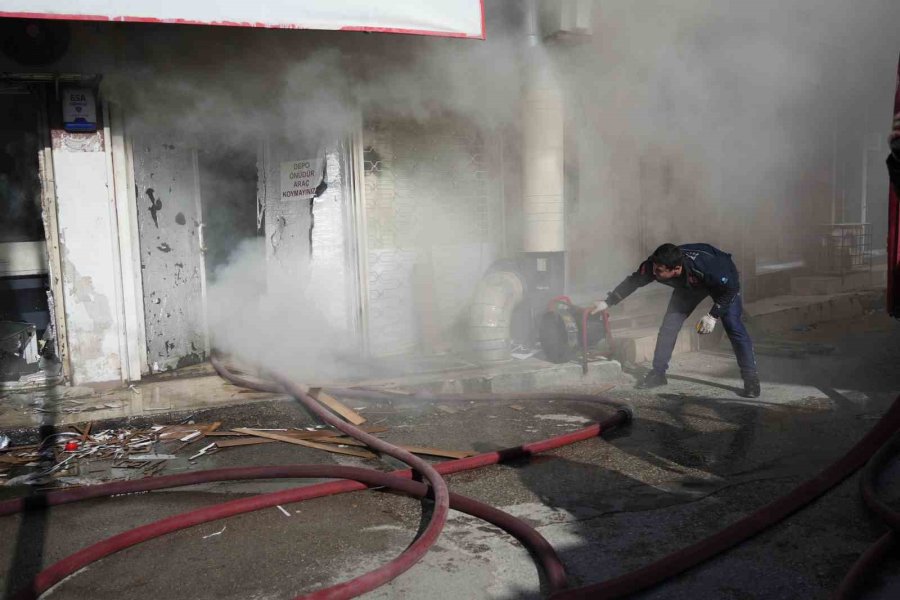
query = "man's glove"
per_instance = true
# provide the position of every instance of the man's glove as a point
(706, 325)
(894, 137)
(599, 307)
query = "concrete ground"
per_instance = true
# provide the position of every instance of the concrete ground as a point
(696, 458)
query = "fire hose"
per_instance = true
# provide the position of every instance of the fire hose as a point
(891, 518)
(760, 520)
(874, 443)
(547, 558)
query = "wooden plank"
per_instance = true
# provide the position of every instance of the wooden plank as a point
(292, 440)
(337, 406)
(18, 448)
(248, 441)
(413, 449)
(299, 433)
(245, 439)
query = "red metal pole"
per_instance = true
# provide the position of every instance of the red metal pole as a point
(893, 249)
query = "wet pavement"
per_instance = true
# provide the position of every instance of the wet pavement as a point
(696, 458)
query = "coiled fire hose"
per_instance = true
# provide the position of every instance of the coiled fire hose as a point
(544, 553)
(875, 441)
(877, 551)
(629, 583)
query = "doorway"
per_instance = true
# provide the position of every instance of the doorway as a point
(27, 340)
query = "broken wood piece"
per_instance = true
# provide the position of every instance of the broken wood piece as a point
(249, 441)
(203, 450)
(18, 448)
(315, 434)
(413, 449)
(293, 440)
(150, 457)
(246, 439)
(14, 460)
(337, 406)
(191, 436)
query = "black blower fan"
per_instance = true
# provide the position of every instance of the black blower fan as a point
(562, 331)
(33, 42)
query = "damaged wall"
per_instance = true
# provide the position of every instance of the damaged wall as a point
(87, 231)
(169, 218)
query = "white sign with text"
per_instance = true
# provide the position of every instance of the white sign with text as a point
(300, 178)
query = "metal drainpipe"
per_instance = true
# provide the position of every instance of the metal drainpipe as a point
(543, 207)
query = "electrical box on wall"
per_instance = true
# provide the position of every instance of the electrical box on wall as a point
(79, 108)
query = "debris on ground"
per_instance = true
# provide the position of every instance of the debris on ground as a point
(83, 456)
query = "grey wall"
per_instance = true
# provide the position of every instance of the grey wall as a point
(168, 208)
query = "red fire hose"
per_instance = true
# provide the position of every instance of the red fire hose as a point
(543, 552)
(624, 585)
(886, 542)
(548, 560)
(767, 516)
(411, 555)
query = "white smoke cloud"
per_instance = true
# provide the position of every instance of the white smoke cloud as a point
(687, 121)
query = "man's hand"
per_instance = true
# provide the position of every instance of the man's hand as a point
(706, 324)
(894, 137)
(599, 307)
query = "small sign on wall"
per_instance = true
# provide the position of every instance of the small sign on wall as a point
(300, 178)
(79, 110)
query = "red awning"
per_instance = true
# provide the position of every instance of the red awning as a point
(448, 18)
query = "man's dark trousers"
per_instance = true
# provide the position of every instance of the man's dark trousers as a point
(681, 305)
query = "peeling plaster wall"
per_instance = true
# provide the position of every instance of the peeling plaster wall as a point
(330, 268)
(86, 243)
(168, 208)
(307, 254)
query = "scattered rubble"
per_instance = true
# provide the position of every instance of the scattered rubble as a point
(83, 456)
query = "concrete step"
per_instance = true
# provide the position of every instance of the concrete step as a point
(637, 345)
(821, 285)
(782, 313)
(530, 374)
(645, 321)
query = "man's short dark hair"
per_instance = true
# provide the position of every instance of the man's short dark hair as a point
(668, 255)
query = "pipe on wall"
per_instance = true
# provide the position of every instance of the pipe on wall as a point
(543, 125)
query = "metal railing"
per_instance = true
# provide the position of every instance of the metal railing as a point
(843, 248)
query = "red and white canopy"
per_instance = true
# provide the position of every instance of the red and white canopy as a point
(449, 18)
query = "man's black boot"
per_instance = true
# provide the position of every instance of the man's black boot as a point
(651, 380)
(751, 387)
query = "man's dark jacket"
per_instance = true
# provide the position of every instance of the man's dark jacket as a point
(705, 268)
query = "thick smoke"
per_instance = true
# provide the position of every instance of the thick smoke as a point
(686, 121)
(720, 122)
